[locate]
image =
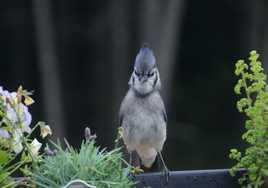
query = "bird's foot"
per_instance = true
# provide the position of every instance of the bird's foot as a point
(166, 174)
(132, 176)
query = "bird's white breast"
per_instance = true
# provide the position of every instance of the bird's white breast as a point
(143, 124)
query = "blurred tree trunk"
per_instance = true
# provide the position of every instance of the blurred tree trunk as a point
(47, 63)
(161, 26)
(20, 67)
(258, 15)
(265, 46)
(120, 57)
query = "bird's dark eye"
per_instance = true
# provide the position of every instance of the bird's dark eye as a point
(138, 74)
(150, 74)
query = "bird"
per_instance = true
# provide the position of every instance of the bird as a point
(142, 113)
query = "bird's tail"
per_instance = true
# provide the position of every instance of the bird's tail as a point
(147, 156)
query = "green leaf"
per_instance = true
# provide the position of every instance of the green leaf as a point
(4, 157)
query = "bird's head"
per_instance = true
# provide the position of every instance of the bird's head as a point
(145, 77)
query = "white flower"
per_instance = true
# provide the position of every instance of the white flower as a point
(17, 147)
(5, 93)
(11, 96)
(27, 117)
(24, 116)
(11, 114)
(16, 142)
(4, 134)
(45, 130)
(35, 147)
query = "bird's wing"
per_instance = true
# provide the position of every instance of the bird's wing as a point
(164, 114)
(121, 116)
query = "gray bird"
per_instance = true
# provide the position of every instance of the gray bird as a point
(142, 113)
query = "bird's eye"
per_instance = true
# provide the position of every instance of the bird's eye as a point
(138, 74)
(150, 74)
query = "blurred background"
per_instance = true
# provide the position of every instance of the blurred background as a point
(77, 56)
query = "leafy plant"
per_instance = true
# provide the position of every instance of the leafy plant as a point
(18, 151)
(6, 169)
(91, 164)
(254, 105)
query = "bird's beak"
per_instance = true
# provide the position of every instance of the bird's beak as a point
(143, 79)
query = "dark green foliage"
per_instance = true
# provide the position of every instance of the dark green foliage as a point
(254, 105)
(97, 167)
(6, 169)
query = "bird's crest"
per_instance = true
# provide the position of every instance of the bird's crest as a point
(145, 60)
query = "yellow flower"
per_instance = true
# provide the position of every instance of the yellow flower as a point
(28, 100)
(136, 170)
(45, 130)
(24, 93)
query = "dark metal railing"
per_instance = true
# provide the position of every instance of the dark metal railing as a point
(189, 179)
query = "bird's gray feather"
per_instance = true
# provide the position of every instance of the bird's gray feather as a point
(143, 120)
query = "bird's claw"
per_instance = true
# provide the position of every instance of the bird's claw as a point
(166, 175)
(131, 176)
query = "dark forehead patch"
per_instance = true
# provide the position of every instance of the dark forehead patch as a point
(145, 60)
